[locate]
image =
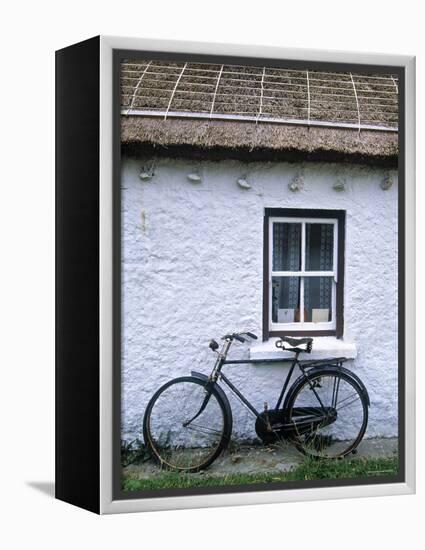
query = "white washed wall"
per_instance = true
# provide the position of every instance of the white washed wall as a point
(192, 270)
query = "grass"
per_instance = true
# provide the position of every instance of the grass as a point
(308, 470)
(134, 451)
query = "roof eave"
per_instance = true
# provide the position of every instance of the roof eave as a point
(247, 141)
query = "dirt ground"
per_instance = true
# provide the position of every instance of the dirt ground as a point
(252, 459)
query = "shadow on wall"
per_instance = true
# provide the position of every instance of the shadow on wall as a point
(46, 487)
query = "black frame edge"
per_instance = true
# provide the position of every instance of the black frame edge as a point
(77, 458)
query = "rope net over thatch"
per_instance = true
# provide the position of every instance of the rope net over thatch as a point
(342, 105)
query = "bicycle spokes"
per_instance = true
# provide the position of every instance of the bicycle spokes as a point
(331, 423)
(192, 419)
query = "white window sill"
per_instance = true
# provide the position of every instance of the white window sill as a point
(324, 347)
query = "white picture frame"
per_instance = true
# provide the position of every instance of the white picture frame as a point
(108, 44)
(107, 501)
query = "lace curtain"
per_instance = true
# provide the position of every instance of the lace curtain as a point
(287, 257)
(319, 257)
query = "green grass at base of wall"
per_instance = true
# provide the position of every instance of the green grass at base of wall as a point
(308, 470)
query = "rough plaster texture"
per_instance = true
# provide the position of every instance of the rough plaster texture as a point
(192, 270)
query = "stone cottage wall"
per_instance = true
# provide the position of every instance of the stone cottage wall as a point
(192, 270)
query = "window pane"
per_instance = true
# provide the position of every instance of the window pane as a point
(319, 246)
(318, 299)
(286, 299)
(286, 246)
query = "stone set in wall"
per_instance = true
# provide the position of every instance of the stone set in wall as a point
(192, 261)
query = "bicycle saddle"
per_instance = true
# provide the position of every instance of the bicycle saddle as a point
(294, 343)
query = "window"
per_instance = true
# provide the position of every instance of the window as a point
(303, 272)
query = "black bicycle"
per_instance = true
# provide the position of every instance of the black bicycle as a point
(188, 421)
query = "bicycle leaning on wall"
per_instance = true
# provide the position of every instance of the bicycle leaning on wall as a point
(188, 421)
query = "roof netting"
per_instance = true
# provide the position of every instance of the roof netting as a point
(259, 94)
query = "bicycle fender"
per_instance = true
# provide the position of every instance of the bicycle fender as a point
(220, 392)
(359, 382)
(334, 368)
(354, 377)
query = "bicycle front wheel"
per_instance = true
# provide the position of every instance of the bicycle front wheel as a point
(187, 424)
(329, 414)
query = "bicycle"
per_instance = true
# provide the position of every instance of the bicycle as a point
(188, 421)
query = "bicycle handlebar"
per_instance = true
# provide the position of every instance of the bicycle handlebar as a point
(213, 345)
(239, 336)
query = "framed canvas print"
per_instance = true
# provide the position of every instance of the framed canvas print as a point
(234, 270)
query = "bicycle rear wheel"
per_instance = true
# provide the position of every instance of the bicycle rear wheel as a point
(329, 412)
(187, 424)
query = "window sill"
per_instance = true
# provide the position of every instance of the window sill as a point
(324, 347)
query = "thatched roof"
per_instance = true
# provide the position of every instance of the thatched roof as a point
(256, 112)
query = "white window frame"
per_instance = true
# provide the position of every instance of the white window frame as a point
(302, 325)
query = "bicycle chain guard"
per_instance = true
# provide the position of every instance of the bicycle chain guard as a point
(275, 418)
(282, 430)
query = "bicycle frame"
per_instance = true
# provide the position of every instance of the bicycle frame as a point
(222, 360)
